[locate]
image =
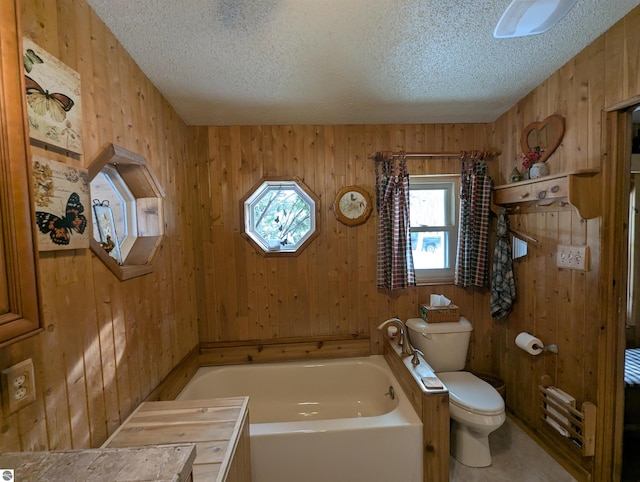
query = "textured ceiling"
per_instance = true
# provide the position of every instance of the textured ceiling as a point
(252, 62)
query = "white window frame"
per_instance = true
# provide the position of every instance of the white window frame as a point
(250, 221)
(451, 184)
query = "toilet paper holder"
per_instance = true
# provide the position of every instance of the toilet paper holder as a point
(533, 345)
(553, 348)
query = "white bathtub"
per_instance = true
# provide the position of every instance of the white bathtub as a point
(322, 421)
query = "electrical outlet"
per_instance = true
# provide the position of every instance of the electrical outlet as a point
(19, 381)
(18, 386)
(573, 257)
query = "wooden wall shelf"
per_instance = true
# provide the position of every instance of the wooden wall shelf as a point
(580, 189)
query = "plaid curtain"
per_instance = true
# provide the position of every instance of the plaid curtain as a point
(475, 201)
(395, 260)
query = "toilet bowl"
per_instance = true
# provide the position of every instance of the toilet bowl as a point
(476, 408)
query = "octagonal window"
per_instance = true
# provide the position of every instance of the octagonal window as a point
(280, 216)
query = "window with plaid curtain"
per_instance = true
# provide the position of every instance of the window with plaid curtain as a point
(395, 260)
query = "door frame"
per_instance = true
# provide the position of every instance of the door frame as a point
(616, 163)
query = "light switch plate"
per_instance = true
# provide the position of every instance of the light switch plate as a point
(573, 257)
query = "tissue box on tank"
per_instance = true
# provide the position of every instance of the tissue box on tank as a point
(440, 314)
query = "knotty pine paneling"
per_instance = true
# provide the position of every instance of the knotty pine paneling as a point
(107, 344)
(330, 288)
(563, 306)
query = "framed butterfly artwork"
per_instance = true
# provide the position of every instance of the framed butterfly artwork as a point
(62, 209)
(54, 105)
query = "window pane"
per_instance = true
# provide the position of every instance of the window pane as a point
(430, 249)
(428, 207)
(282, 215)
(433, 226)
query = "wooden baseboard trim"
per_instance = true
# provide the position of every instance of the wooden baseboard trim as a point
(174, 382)
(260, 351)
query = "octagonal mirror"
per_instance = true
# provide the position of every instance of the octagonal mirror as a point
(280, 216)
(128, 224)
(114, 212)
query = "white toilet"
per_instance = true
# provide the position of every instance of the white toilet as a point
(476, 408)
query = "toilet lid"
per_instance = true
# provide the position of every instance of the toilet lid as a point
(472, 394)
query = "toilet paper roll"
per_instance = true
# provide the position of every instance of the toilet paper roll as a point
(529, 343)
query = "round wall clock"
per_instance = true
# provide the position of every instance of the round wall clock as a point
(352, 205)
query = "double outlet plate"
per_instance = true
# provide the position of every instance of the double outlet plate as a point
(18, 386)
(573, 257)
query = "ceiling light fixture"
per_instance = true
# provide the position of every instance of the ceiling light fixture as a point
(531, 17)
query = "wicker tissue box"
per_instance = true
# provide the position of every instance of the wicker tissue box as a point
(440, 314)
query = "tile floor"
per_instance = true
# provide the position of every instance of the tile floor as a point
(516, 457)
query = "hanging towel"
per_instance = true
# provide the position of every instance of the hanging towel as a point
(503, 286)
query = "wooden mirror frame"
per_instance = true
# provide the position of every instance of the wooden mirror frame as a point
(145, 187)
(556, 122)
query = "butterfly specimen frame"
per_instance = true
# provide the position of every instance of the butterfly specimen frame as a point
(61, 193)
(54, 107)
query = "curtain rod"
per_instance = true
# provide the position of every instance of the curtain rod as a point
(388, 154)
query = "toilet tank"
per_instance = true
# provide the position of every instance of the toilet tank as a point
(444, 345)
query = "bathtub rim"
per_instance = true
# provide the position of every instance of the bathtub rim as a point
(403, 414)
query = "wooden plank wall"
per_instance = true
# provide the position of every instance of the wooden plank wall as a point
(562, 306)
(106, 343)
(330, 289)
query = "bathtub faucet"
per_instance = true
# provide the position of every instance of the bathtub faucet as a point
(403, 335)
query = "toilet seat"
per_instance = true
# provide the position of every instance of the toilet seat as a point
(472, 394)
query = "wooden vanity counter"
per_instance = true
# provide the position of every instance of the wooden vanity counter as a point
(170, 463)
(218, 427)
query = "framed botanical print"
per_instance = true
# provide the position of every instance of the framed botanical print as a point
(54, 106)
